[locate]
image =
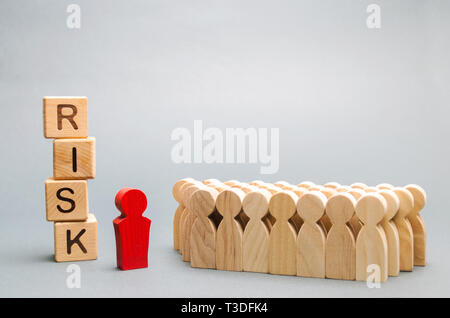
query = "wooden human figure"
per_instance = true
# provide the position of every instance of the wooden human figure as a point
(188, 221)
(177, 195)
(340, 248)
(229, 232)
(354, 223)
(186, 187)
(131, 229)
(256, 233)
(305, 184)
(333, 185)
(358, 185)
(203, 233)
(385, 186)
(418, 224)
(404, 228)
(311, 238)
(390, 229)
(282, 238)
(371, 243)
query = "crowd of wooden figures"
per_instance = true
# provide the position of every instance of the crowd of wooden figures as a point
(309, 230)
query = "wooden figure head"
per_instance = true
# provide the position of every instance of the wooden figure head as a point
(229, 202)
(340, 208)
(203, 201)
(256, 203)
(385, 186)
(311, 206)
(406, 200)
(392, 203)
(177, 194)
(371, 208)
(131, 202)
(283, 205)
(420, 197)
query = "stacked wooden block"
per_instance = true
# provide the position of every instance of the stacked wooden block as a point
(75, 229)
(330, 231)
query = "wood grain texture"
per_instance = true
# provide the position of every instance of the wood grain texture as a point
(371, 243)
(229, 232)
(340, 248)
(203, 234)
(131, 229)
(390, 229)
(65, 117)
(76, 240)
(66, 200)
(311, 238)
(282, 238)
(188, 221)
(404, 228)
(256, 233)
(354, 223)
(186, 190)
(177, 195)
(74, 158)
(358, 185)
(418, 224)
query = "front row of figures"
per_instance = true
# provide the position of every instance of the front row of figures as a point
(330, 231)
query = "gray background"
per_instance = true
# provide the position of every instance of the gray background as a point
(352, 104)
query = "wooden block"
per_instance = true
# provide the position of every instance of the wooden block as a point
(66, 200)
(418, 224)
(74, 158)
(311, 237)
(203, 233)
(76, 241)
(229, 232)
(390, 229)
(256, 233)
(405, 231)
(283, 237)
(340, 248)
(131, 229)
(65, 117)
(371, 244)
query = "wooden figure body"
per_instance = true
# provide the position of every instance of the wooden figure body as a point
(188, 221)
(340, 248)
(390, 229)
(417, 224)
(404, 228)
(256, 233)
(282, 238)
(229, 232)
(311, 238)
(131, 229)
(371, 244)
(177, 195)
(203, 233)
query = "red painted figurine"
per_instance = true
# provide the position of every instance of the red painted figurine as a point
(131, 229)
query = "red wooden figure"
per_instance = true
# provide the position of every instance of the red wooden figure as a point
(131, 229)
